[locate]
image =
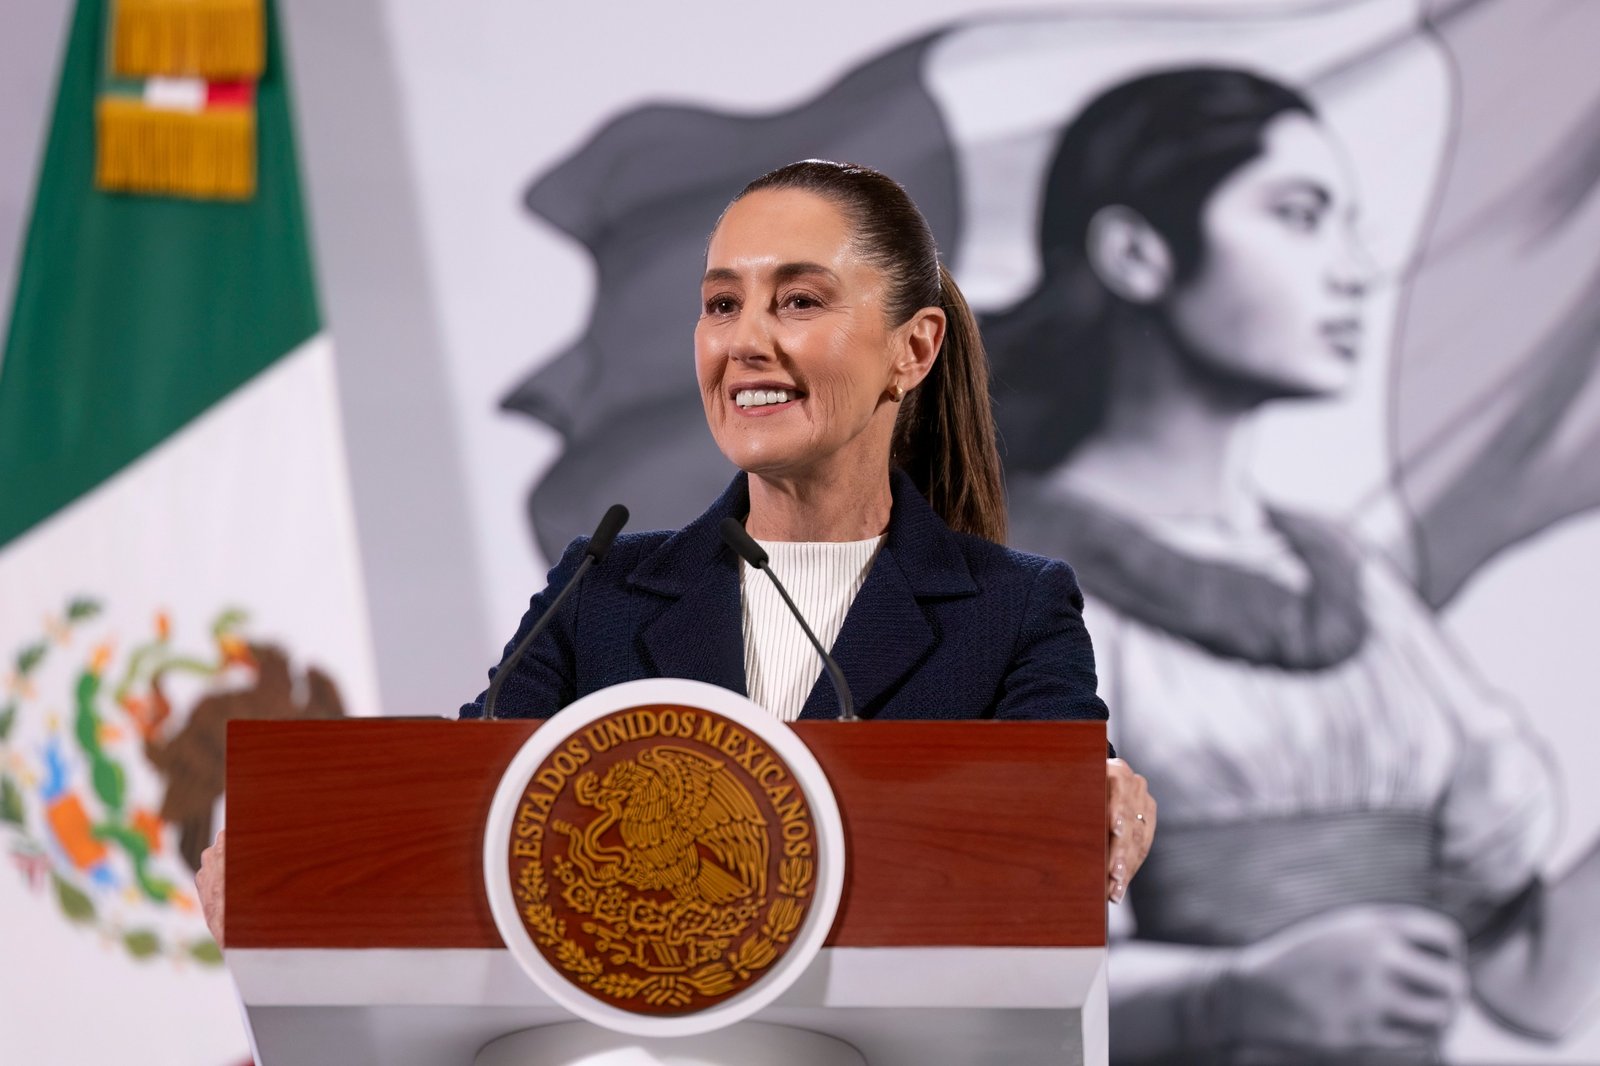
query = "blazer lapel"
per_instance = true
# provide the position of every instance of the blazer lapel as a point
(886, 634)
(698, 635)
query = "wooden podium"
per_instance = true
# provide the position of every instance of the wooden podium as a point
(971, 930)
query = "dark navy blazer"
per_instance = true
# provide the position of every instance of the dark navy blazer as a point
(946, 625)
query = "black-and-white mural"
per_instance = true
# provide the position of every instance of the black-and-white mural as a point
(1292, 312)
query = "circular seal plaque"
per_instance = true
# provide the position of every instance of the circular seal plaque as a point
(664, 857)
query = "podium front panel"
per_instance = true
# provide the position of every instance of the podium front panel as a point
(369, 833)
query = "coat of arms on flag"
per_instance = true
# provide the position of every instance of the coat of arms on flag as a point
(170, 445)
(111, 763)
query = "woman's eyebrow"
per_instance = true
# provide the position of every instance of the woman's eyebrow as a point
(790, 271)
(785, 272)
(1307, 186)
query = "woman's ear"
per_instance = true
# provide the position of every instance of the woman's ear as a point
(1128, 256)
(922, 337)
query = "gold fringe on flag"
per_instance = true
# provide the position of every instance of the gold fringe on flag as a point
(204, 155)
(218, 40)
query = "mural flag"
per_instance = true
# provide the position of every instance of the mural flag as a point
(177, 550)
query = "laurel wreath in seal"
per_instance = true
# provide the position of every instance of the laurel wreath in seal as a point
(613, 914)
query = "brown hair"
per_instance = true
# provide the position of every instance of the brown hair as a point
(944, 434)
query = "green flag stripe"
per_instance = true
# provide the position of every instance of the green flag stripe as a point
(133, 315)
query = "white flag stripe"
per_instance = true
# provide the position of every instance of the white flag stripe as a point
(247, 507)
(175, 94)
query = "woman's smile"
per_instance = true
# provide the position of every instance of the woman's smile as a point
(759, 399)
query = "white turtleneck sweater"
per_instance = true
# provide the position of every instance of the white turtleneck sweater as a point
(823, 577)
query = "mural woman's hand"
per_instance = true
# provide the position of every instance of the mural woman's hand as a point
(1130, 826)
(208, 880)
(1380, 976)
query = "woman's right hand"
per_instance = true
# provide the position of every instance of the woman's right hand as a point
(208, 880)
(1383, 976)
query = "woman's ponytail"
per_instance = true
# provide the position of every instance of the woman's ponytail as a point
(945, 436)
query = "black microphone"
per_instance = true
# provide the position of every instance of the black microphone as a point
(735, 537)
(606, 532)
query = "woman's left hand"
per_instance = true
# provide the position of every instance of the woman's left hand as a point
(208, 881)
(1130, 826)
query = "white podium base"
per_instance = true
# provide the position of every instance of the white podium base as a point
(582, 1044)
(925, 1006)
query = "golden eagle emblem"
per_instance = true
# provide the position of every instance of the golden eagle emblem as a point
(687, 826)
(662, 858)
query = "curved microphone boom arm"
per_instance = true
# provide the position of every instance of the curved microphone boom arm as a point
(744, 545)
(610, 525)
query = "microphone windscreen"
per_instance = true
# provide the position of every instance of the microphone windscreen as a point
(735, 537)
(610, 525)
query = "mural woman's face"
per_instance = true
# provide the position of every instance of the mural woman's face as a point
(792, 350)
(1277, 302)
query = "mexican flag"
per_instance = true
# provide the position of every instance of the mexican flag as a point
(177, 542)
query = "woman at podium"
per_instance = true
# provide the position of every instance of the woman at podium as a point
(842, 374)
